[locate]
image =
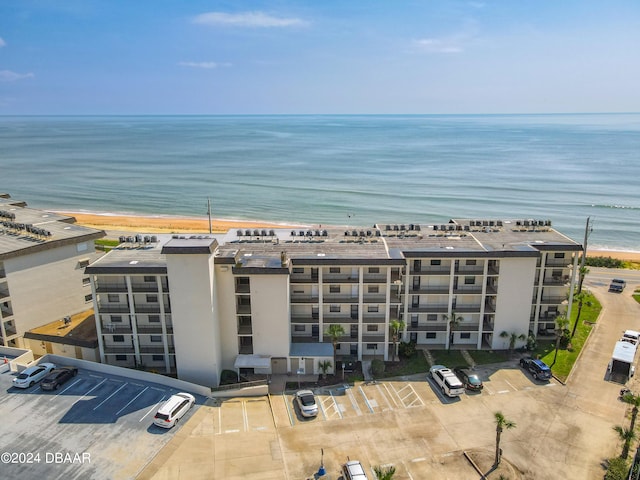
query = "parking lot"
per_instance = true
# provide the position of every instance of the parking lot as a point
(93, 426)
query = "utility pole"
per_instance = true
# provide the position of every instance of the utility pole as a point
(209, 214)
(587, 231)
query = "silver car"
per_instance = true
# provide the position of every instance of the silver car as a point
(307, 403)
(32, 375)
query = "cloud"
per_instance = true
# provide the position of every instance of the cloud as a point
(206, 65)
(438, 45)
(247, 19)
(2, 43)
(9, 76)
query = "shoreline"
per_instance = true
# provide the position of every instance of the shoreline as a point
(114, 224)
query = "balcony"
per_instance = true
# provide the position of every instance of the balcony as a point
(467, 327)
(111, 288)
(245, 330)
(144, 287)
(304, 339)
(154, 349)
(119, 350)
(4, 293)
(556, 281)
(432, 308)
(245, 350)
(371, 278)
(337, 298)
(470, 270)
(426, 289)
(113, 308)
(340, 278)
(553, 300)
(373, 318)
(116, 328)
(558, 262)
(374, 298)
(304, 298)
(427, 327)
(243, 288)
(303, 279)
(373, 337)
(10, 329)
(469, 308)
(468, 289)
(340, 318)
(243, 309)
(149, 329)
(429, 270)
(147, 308)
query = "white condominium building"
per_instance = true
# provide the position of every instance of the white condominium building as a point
(42, 261)
(263, 300)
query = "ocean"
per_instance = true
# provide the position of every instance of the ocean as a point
(336, 169)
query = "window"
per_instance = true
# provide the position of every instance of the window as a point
(84, 263)
(469, 280)
(465, 335)
(372, 328)
(374, 269)
(155, 338)
(558, 255)
(431, 335)
(436, 262)
(118, 338)
(88, 298)
(149, 278)
(372, 308)
(152, 298)
(432, 317)
(298, 291)
(157, 358)
(372, 346)
(334, 288)
(299, 328)
(373, 289)
(334, 269)
(298, 270)
(334, 308)
(121, 358)
(154, 318)
(113, 298)
(86, 281)
(116, 318)
(471, 262)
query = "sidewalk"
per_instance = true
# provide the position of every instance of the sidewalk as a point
(278, 383)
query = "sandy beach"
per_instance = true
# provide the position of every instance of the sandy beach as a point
(117, 224)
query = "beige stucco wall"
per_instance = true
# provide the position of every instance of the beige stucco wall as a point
(226, 311)
(196, 330)
(46, 286)
(270, 314)
(513, 302)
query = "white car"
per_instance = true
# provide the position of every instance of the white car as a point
(32, 375)
(171, 411)
(353, 470)
(307, 403)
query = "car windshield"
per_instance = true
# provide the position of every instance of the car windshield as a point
(162, 416)
(307, 400)
(474, 380)
(22, 376)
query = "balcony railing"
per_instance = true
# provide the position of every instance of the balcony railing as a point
(339, 278)
(149, 328)
(468, 289)
(245, 330)
(303, 298)
(110, 349)
(428, 327)
(147, 308)
(467, 327)
(243, 309)
(246, 350)
(304, 318)
(374, 298)
(373, 337)
(304, 339)
(553, 300)
(428, 270)
(373, 318)
(433, 308)
(109, 328)
(303, 279)
(429, 290)
(340, 318)
(470, 270)
(371, 278)
(111, 288)
(243, 288)
(468, 308)
(113, 308)
(338, 298)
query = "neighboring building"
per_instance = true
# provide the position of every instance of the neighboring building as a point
(261, 301)
(73, 336)
(42, 261)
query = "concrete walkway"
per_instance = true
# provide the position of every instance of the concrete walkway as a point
(278, 383)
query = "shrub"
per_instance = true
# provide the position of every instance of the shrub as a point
(407, 349)
(606, 262)
(617, 469)
(377, 367)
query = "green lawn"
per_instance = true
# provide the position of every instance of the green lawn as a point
(407, 366)
(567, 357)
(451, 358)
(483, 357)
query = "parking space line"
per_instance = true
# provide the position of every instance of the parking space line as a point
(245, 417)
(286, 404)
(418, 398)
(60, 393)
(132, 400)
(152, 408)
(336, 404)
(384, 396)
(353, 401)
(366, 400)
(100, 404)
(488, 390)
(158, 389)
(95, 376)
(137, 384)
(392, 396)
(507, 382)
(320, 404)
(91, 390)
(219, 420)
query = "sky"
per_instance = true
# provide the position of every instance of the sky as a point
(111, 57)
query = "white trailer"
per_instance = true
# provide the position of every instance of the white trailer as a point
(621, 365)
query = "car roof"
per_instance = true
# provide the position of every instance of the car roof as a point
(541, 364)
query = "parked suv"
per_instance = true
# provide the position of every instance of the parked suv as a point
(537, 368)
(470, 380)
(173, 409)
(446, 380)
(353, 470)
(32, 375)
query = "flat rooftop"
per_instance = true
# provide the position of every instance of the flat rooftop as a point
(78, 329)
(25, 230)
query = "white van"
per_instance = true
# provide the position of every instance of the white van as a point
(173, 409)
(450, 384)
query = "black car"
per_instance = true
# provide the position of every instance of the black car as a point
(537, 368)
(57, 377)
(470, 380)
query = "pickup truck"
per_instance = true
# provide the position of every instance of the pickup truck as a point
(617, 285)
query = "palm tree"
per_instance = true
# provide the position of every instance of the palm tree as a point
(627, 436)
(396, 327)
(581, 274)
(324, 365)
(454, 320)
(501, 424)
(513, 338)
(634, 400)
(334, 331)
(562, 322)
(580, 298)
(384, 473)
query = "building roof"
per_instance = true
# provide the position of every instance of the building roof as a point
(311, 350)
(24, 230)
(79, 330)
